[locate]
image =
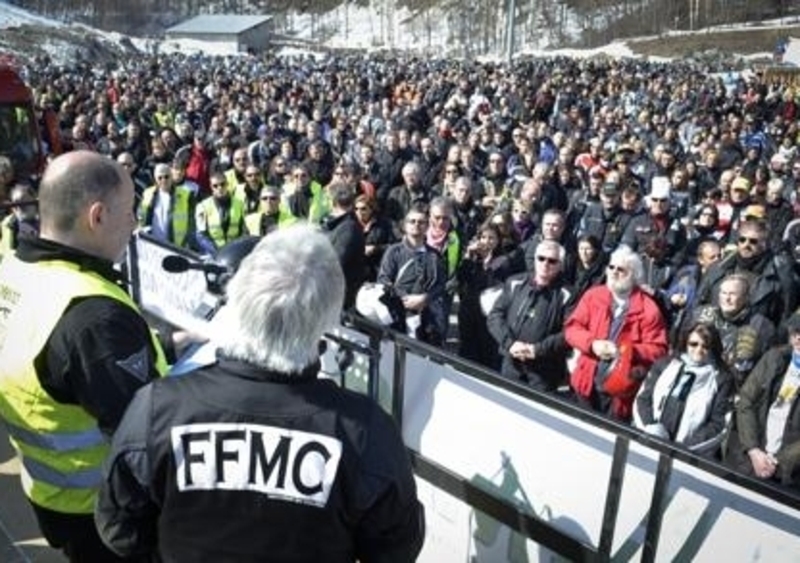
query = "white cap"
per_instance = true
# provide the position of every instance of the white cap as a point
(660, 187)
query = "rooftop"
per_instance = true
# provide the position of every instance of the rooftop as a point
(226, 24)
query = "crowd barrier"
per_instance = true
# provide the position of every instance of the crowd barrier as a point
(510, 474)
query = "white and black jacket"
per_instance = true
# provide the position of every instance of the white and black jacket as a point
(706, 409)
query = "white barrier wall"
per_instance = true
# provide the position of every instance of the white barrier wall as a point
(558, 468)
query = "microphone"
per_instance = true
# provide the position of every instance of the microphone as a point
(175, 264)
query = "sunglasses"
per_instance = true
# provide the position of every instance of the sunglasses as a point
(269, 198)
(696, 344)
(749, 240)
(549, 260)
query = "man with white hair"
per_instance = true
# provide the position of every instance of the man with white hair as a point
(527, 322)
(619, 331)
(255, 457)
(167, 210)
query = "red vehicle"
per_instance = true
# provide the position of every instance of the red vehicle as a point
(20, 136)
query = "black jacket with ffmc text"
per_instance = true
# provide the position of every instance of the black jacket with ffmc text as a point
(235, 464)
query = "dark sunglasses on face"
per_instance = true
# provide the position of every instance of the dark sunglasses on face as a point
(749, 240)
(549, 260)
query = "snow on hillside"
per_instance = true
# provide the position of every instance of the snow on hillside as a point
(349, 26)
(11, 16)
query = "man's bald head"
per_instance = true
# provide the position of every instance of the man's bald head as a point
(72, 182)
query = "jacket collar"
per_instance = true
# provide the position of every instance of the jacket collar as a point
(251, 371)
(42, 250)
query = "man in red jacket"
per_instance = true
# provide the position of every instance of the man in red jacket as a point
(619, 331)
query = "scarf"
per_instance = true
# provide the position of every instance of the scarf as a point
(698, 399)
(754, 264)
(437, 238)
(796, 359)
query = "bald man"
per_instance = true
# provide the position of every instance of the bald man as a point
(73, 346)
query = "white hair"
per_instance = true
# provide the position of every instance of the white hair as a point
(285, 295)
(632, 260)
(552, 245)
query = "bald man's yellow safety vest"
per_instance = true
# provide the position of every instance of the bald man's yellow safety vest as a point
(60, 445)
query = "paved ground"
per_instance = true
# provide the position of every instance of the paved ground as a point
(20, 540)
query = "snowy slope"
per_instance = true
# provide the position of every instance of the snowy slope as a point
(352, 27)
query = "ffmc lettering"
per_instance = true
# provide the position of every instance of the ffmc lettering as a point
(289, 465)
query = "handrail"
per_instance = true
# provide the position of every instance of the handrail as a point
(670, 449)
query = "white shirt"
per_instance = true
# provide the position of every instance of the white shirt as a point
(779, 411)
(161, 204)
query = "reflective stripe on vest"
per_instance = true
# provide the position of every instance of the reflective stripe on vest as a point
(60, 445)
(59, 442)
(82, 479)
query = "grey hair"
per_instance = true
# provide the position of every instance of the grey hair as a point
(161, 169)
(410, 166)
(552, 245)
(286, 294)
(443, 203)
(632, 260)
(776, 184)
(6, 166)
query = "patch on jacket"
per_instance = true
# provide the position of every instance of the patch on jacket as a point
(284, 464)
(137, 365)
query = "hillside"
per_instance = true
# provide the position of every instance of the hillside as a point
(742, 41)
(27, 35)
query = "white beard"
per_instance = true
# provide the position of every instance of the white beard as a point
(620, 288)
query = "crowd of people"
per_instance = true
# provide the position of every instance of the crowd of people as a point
(623, 229)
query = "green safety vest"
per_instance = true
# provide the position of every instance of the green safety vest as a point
(231, 180)
(181, 208)
(213, 221)
(60, 446)
(452, 252)
(318, 208)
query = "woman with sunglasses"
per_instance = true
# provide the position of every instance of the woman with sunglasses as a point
(687, 397)
(483, 266)
(378, 234)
